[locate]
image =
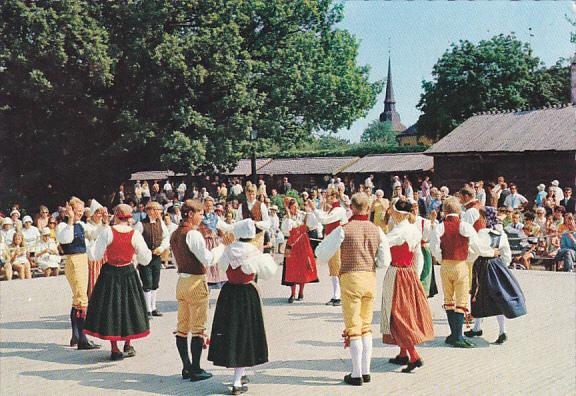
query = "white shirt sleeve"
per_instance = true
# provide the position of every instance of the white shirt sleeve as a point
(64, 233)
(330, 245)
(505, 251)
(97, 249)
(419, 261)
(435, 236)
(265, 223)
(383, 256)
(197, 246)
(337, 214)
(165, 244)
(223, 226)
(466, 230)
(470, 216)
(143, 254)
(138, 227)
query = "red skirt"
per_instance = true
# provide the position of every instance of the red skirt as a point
(94, 268)
(300, 265)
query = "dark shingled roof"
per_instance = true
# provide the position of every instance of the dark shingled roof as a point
(307, 166)
(399, 162)
(244, 167)
(549, 129)
(154, 175)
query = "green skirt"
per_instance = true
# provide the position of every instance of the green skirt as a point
(117, 308)
(426, 276)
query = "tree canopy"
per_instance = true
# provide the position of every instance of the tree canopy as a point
(500, 73)
(381, 132)
(91, 91)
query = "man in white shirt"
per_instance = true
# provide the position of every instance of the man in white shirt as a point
(181, 191)
(257, 211)
(236, 189)
(515, 200)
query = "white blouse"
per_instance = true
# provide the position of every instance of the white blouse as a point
(249, 258)
(96, 250)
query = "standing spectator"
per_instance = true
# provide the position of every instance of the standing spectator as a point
(171, 228)
(369, 182)
(435, 201)
(515, 200)
(425, 187)
(558, 216)
(31, 234)
(285, 186)
(146, 194)
(503, 194)
(139, 214)
(43, 217)
(568, 201)
(158, 196)
(236, 189)
(223, 193)
(181, 191)
(567, 252)
(556, 191)
(480, 192)
(378, 209)
(47, 255)
(540, 196)
(138, 191)
(167, 186)
(262, 188)
(20, 257)
(408, 190)
(121, 195)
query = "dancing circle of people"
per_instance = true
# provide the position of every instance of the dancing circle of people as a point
(114, 300)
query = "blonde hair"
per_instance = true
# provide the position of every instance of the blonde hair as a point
(251, 188)
(360, 202)
(75, 201)
(451, 206)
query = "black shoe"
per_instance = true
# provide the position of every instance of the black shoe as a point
(331, 302)
(449, 340)
(352, 381)
(87, 346)
(245, 380)
(463, 344)
(399, 360)
(300, 297)
(156, 313)
(472, 333)
(238, 390)
(116, 356)
(291, 300)
(130, 351)
(501, 339)
(200, 375)
(337, 302)
(149, 315)
(186, 372)
(73, 341)
(412, 365)
(366, 378)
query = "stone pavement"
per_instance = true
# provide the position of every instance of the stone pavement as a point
(306, 351)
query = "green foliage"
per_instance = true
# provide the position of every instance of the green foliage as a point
(381, 132)
(356, 149)
(500, 73)
(91, 91)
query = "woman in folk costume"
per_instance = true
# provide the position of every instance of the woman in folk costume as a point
(379, 208)
(94, 226)
(335, 217)
(495, 291)
(406, 319)
(208, 229)
(299, 264)
(238, 338)
(425, 226)
(117, 309)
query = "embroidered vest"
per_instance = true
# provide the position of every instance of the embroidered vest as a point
(454, 246)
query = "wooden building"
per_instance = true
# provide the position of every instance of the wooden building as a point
(526, 147)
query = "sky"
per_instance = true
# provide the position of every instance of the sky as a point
(421, 31)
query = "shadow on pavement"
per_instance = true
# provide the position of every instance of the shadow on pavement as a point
(47, 322)
(438, 342)
(53, 353)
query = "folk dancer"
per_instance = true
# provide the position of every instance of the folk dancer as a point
(209, 230)
(299, 263)
(363, 247)
(257, 211)
(406, 319)
(94, 226)
(117, 309)
(192, 257)
(238, 338)
(157, 239)
(449, 244)
(335, 217)
(495, 290)
(471, 215)
(71, 236)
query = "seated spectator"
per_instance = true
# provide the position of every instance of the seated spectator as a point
(530, 229)
(515, 229)
(567, 225)
(31, 234)
(42, 217)
(52, 223)
(515, 200)
(5, 264)
(15, 216)
(550, 204)
(540, 220)
(19, 256)
(47, 256)
(558, 216)
(508, 218)
(7, 231)
(567, 252)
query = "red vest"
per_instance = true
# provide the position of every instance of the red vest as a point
(454, 246)
(237, 277)
(480, 223)
(401, 255)
(120, 251)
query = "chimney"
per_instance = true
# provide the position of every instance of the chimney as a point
(573, 80)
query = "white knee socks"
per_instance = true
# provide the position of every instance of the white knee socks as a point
(501, 323)
(477, 324)
(356, 353)
(238, 373)
(153, 300)
(335, 287)
(148, 298)
(366, 353)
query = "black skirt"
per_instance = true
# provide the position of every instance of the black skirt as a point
(117, 308)
(238, 337)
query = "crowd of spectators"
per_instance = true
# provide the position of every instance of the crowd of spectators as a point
(540, 224)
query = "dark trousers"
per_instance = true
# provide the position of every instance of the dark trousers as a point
(150, 274)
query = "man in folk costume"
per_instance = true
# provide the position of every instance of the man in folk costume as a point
(210, 231)
(332, 219)
(471, 215)
(71, 236)
(117, 310)
(258, 212)
(299, 263)
(449, 244)
(94, 226)
(192, 257)
(495, 290)
(157, 238)
(238, 335)
(406, 319)
(363, 247)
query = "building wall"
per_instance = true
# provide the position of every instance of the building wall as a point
(525, 169)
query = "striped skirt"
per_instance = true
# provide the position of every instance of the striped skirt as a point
(94, 268)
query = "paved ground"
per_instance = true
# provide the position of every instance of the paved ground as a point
(306, 353)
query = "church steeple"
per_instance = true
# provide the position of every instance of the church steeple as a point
(390, 115)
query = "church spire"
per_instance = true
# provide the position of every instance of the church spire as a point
(390, 115)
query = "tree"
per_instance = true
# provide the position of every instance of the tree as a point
(381, 132)
(500, 73)
(91, 91)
